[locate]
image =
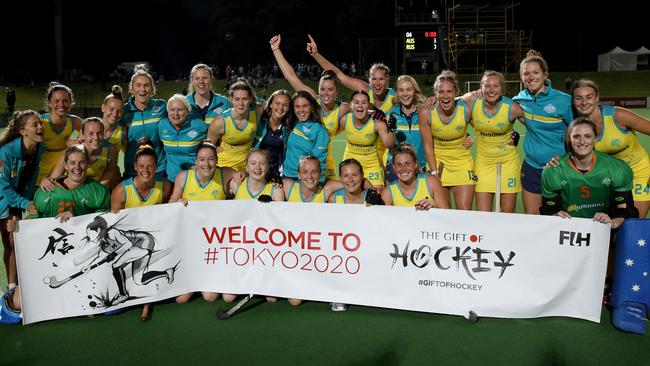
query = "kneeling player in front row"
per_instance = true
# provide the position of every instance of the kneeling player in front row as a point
(587, 183)
(423, 191)
(202, 183)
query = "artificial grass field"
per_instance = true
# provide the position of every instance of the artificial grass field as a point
(270, 334)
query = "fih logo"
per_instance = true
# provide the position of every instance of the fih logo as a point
(573, 238)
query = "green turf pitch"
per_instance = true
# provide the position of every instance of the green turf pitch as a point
(274, 334)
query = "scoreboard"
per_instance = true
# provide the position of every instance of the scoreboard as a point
(421, 49)
(420, 42)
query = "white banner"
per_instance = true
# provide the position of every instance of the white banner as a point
(440, 261)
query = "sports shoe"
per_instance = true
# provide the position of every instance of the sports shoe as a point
(7, 314)
(337, 306)
(113, 312)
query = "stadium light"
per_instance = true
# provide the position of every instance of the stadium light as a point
(434, 14)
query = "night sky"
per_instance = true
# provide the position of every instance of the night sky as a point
(174, 35)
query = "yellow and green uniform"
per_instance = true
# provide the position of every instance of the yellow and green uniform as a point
(623, 144)
(360, 144)
(421, 192)
(244, 191)
(118, 137)
(331, 122)
(295, 195)
(583, 194)
(213, 190)
(96, 168)
(385, 106)
(133, 199)
(237, 142)
(339, 196)
(54, 142)
(493, 134)
(448, 149)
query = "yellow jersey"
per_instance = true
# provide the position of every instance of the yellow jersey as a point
(133, 199)
(295, 195)
(244, 192)
(213, 190)
(421, 192)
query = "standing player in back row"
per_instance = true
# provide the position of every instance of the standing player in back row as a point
(330, 109)
(587, 183)
(141, 116)
(547, 112)
(493, 117)
(381, 96)
(444, 134)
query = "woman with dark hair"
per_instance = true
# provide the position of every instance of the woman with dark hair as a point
(204, 182)
(21, 147)
(271, 132)
(58, 125)
(331, 110)
(307, 135)
(145, 189)
(235, 128)
(587, 183)
(420, 190)
(75, 193)
(361, 134)
(378, 87)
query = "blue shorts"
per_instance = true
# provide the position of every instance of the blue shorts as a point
(531, 178)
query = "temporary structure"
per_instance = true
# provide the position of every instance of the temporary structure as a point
(617, 59)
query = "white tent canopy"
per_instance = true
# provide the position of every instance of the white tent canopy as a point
(619, 59)
(642, 51)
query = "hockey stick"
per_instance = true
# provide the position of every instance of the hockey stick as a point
(497, 195)
(54, 283)
(226, 314)
(146, 310)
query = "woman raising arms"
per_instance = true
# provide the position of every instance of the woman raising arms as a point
(330, 110)
(377, 86)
